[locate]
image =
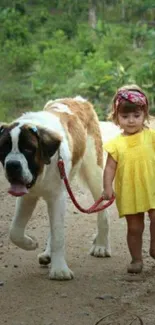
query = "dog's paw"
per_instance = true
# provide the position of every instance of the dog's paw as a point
(61, 274)
(100, 247)
(44, 259)
(100, 251)
(30, 243)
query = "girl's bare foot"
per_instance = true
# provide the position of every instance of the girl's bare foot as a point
(135, 224)
(135, 267)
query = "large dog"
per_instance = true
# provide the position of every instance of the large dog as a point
(29, 151)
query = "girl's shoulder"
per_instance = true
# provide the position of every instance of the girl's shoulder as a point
(113, 144)
(112, 147)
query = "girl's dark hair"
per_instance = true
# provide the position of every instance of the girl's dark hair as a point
(126, 106)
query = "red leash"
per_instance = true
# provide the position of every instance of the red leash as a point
(94, 208)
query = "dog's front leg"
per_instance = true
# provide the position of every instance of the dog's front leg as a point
(56, 209)
(24, 208)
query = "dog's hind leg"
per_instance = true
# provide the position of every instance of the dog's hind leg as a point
(93, 176)
(24, 208)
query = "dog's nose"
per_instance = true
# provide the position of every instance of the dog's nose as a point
(13, 167)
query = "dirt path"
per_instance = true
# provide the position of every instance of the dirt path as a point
(100, 286)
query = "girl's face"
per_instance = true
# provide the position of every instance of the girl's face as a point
(131, 122)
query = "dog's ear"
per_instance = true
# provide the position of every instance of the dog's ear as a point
(2, 128)
(49, 142)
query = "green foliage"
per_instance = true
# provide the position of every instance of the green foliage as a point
(49, 50)
(57, 64)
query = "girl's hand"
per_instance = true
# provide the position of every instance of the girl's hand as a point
(108, 194)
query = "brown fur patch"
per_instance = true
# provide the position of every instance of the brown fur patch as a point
(32, 138)
(81, 121)
(4, 132)
(8, 127)
(45, 142)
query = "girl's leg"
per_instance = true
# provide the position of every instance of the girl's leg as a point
(152, 232)
(135, 224)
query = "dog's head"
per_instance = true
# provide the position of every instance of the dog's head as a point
(24, 150)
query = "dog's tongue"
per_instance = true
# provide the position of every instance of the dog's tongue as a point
(17, 190)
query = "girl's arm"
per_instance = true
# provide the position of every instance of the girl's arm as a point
(109, 175)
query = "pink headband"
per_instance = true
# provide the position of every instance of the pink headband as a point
(132, 96)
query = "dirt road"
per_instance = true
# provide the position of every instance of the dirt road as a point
(100, 287)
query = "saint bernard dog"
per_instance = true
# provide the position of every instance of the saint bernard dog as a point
(29, 151)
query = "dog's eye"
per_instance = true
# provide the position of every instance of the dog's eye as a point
(5, 146)
(29, 151)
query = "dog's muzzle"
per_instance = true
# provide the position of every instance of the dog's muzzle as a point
(14, 175)
(14, 171)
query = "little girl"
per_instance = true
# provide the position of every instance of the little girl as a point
(131, 161)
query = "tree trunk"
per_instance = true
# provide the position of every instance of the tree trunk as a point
(92, 13)
(123, 10)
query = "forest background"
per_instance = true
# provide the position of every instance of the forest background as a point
(52, 49)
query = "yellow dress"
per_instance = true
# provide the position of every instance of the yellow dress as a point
(135, 173)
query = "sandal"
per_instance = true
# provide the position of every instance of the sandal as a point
(135, 267)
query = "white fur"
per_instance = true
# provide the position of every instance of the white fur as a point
(50, 186)
(43, 119)
(109, 130)
(15, 154)
(59, 107)
(80, 99)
